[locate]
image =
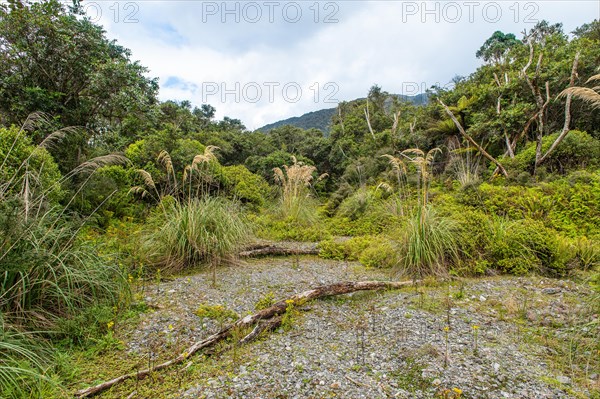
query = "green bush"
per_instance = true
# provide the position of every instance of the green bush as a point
(357, 204)
(344, 249)
(245, 186)
(524, 246)
(24, 164)
(568, 205)
(381, 253)
(577, 150)
(273, 227)
(107, 195)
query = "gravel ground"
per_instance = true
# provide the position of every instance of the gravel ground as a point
(363, 345)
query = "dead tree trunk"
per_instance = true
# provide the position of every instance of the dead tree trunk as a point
(565, 129)
(276, 250)
(541, 104)
(471, 140)
(265, 319)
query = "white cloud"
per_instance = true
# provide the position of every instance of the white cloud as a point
(373, 42)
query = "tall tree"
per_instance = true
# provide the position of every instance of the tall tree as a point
(55, 60)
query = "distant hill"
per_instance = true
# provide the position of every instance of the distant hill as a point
(320, 119)
(317, 119)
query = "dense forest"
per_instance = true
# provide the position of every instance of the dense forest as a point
(105, 189)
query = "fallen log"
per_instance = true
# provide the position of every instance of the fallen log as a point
(276, 250)
(264, 315)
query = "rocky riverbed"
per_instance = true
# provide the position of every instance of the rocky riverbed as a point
(479, 338)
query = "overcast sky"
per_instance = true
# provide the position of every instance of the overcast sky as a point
(269, 60)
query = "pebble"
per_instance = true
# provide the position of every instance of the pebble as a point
(328, 344)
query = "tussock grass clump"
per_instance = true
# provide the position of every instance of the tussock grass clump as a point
(47, 274)
(196, 231)
(429, 244)
(22, 365)
(296, 201)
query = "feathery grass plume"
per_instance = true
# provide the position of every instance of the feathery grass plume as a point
(193, 174)
(99, 162)
(53, 138)
(429, 244)
(205, 230)
(295, 181)
(591, 96)
(400, 170)
(207, 156)
(463, 165)
(423, 162)
(205, 177)
(164, 158)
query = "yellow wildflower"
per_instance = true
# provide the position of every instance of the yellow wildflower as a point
(110, 325)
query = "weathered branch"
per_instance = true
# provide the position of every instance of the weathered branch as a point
(275, 250)
(471, 140)
(565, 129)
(368, 118)
(272, 312)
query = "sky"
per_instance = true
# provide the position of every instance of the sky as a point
(263, 61)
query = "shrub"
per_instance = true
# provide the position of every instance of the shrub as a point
(245, 186)
(519, 247)
(272, 226)
(357, 204)
(568, 205)
(577, 150)
(25, 167)
(196, 231)
(348, 249)
(381, 253)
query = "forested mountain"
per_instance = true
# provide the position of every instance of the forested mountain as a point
(322, 118)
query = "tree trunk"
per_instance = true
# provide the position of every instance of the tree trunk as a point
(471, 140)
(565, 129)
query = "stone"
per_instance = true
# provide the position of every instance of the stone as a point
(563, 380)
(496, 367)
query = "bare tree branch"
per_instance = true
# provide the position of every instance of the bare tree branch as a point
(471, 140)
(565, 129)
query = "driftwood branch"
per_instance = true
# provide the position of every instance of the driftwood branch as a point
(277, 250)
(471, 140)
(267, 317)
